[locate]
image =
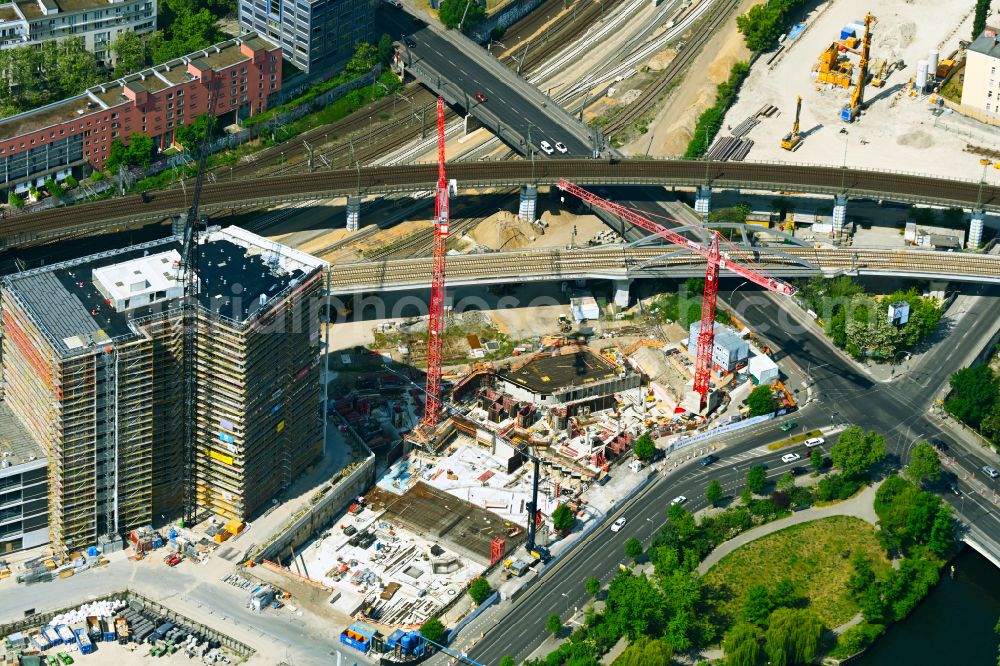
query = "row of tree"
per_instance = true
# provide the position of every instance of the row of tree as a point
(32, 76)
(710, 121)
(975, 400)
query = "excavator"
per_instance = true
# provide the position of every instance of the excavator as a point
(852, 110)
(792, 139)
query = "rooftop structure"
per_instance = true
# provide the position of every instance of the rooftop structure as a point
(98, 22)
(315, 35)
(68, 136)
(95, 380)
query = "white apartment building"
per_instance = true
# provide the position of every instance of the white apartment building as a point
(981, 87)
(27, 22)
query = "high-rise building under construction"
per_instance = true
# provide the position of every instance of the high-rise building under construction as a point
(92, 365)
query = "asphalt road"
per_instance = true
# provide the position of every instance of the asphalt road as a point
(466, 76)
(843, 394)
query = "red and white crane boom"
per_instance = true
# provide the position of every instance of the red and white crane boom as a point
(715, 260)
(435, 320)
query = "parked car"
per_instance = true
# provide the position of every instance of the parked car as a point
(546, 147)
(618, 524)
(65, 658)
(790, 457)
(560, 147)
(709, 459)
(990, 472)
(680, 499)
(814, 441)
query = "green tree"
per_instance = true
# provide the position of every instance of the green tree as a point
(924, 465)
(742, 644)
(633, 548)
(646, 651)
(761, 400)
(433, 630)
(757, 479)
(479, 589)
(130, 53)
(869, 331)
(644, 447)
(141, 150)
(71, 182)
(783, 595)
(53, 188)
(792, 636)
(785, 482)
(14, 200)
(714, 492)
(592, 586)
(506, 660)
(562, 518)
(856, 451)
(990, 425)
(385, 50)
(364, 58)
(979, 20)
(757, 605)
(192, 29)
(117, 156)
(942, 536)
(553, 624)
(451, 13)
(816, 459)
(974, 392)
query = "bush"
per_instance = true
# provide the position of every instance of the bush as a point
(15, 201)
(71, 182)
(479, 590)
(53, 188)
(836, 487)
(97, 176)
(856, 639)
(710, 121)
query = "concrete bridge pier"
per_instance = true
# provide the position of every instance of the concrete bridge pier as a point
(703, 200)
(975, 230)
(839, 214)
(528, 204)
(621, 292)
(353, 213)
(937, 288)
(471, 123)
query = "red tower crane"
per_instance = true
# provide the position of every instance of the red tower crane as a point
(435, 320)
(715, 261)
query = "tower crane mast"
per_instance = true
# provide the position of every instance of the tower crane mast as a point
(715, 260)
(435, 320)
(853, 108)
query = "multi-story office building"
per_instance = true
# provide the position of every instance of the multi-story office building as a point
(314, 34)
(981, 85)
(59, 139)
(31, 22)
(23, 487)
(93, 363)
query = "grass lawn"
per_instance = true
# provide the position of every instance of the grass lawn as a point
(815, 556)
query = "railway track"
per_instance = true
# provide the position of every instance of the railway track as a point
(616, 261)
(704, 31)
(249, 193)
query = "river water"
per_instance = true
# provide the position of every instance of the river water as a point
(952, 625)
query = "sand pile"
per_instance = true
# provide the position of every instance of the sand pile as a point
(503, 231)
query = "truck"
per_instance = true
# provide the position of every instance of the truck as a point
(83, 640)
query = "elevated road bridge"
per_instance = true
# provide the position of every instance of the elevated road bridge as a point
(118, 213)
(623, 263)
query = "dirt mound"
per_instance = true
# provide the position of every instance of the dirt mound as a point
(503, 231)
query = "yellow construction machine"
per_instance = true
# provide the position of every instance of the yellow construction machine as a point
(792, 139)
(853, 109)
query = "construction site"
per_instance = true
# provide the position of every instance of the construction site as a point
(871, 89)
(92, 359)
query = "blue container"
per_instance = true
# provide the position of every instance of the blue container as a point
(157, 543)
(846, 31)
(173, 534)
(92, 551)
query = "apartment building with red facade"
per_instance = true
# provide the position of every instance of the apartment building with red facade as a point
(73, 136)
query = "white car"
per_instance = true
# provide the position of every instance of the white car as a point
(618, 524)
(546, 147)
(560, 147)
(790, 457)
(814, 441)
(680, 499)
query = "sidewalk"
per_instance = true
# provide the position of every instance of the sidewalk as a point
(860, 506)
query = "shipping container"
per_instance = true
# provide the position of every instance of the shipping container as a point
(66, 634)
(52, 635)
(94, 628)
(83, 640)
(108, 629)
